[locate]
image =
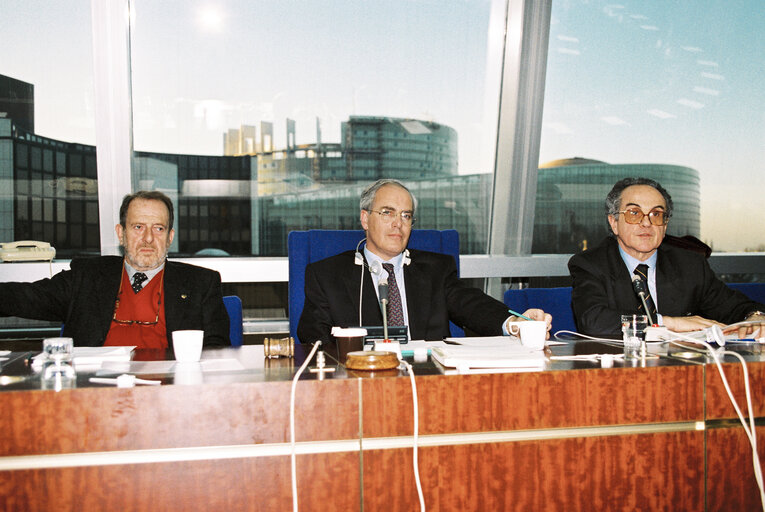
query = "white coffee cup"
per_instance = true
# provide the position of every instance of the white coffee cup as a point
(188, 374)
(532, 333)
(187, 345)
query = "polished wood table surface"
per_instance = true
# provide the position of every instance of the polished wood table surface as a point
(652, 435)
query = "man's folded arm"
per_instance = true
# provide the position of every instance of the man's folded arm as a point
(589, 300)
(316, 320)
(470, 307)
(722, 303)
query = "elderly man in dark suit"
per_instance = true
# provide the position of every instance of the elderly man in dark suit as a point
(425, 292)
(683, 292)
(136, 300)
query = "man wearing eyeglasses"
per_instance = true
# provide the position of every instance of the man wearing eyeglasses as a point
(424, 290)
(138, 299)
(683, 292)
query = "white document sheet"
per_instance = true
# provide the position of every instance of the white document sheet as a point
(489, 352)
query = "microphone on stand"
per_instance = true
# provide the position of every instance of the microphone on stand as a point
(382, 289)
(640, 289)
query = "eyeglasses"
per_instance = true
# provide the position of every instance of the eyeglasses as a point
(655, 217)
(389, 215)
(138, 322)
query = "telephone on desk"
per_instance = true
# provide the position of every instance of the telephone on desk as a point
(26, 250)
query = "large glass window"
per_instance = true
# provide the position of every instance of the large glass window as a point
(668, 90)
(47, 131)
(47, 126)
(260, 118)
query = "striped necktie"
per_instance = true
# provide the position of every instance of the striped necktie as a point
(642, 272)
(395, 311)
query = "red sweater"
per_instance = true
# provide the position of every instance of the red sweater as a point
(143, 306)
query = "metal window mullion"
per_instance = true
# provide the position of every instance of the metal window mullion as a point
(519, 127)
(113, 112)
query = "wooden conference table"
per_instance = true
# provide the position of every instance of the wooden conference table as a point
(656, 435)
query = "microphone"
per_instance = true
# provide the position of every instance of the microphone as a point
(638, 285)
(382, 289)
(641, 290)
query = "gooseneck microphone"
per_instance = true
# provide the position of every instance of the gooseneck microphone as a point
(382, 289)
(640, 289)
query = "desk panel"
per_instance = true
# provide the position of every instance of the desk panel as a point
(566, 438)
(172, 416)
(718, 403)
(533, 400)
(730, 474)
(326, 482)
(639, 472)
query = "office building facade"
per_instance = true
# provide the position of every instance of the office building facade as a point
(246, 205)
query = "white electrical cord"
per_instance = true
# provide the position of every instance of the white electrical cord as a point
(749, 430)
(605, 341)
(415, 461)
(292, 423)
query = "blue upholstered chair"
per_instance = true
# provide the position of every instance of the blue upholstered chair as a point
(234, 309)
(556, 301)
(755, 291)
(306, 247)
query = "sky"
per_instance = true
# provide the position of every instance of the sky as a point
(628, 82)
(676, 82)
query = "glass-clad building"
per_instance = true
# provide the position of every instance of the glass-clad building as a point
(51, 191)
(570, 213)
(223, 211)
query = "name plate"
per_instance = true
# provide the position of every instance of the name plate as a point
(376, 333)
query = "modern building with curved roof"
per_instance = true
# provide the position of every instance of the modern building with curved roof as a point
(570, 213)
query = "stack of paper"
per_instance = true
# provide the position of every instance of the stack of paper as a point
(491, 352)
(89, 358)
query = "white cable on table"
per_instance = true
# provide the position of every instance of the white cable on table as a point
(749, 430)
(415, 436)
(292, 423)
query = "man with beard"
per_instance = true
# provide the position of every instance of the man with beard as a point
(138, 299)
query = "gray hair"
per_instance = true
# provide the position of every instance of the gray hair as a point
(614, 198)
(368, 196)
(147, 195)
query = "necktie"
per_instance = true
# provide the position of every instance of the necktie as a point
(395, 311)
(642, 272)
(138, 279)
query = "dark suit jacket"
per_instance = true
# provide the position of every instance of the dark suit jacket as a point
(83, 300)
(685, 285)
(434, 295)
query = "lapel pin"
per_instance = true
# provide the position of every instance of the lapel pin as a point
(184, 296)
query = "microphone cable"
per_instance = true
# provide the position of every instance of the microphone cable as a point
(575, 335)
(292, 423)
(415, 436)
(358, 259)
(750, 429)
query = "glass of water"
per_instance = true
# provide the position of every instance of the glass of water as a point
(58, 369)
(633, 332)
